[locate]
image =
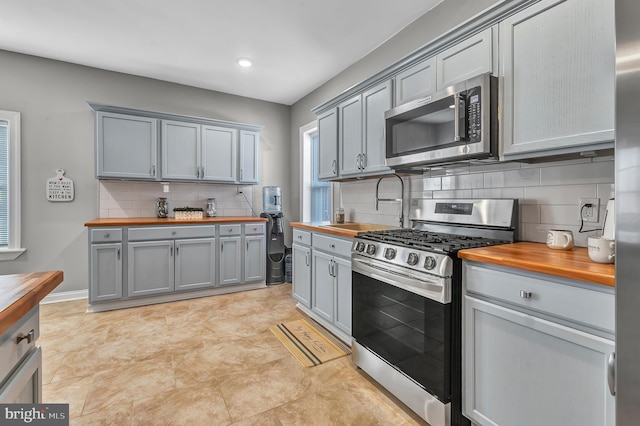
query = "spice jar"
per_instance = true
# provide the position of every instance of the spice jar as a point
(162, 207)
(339, 215)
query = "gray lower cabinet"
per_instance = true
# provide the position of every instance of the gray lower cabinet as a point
(126, 146)
(106, 272)
(331, 280)
(151, 268)
(301, 279)
(255, 258)
(195, 265)
(536, 349)
(230, 260)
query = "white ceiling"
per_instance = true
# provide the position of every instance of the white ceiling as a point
(296, 45)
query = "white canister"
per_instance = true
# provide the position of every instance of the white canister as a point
(601, 250)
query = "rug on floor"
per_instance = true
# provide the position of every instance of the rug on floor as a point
(310, 345)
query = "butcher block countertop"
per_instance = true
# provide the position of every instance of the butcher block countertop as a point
(537, 257)
(21, 292)
(129, 221)
(347, 229)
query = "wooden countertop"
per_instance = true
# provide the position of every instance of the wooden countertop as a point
(339, 229)
(128, 221)
(21, 292)
(537, 257)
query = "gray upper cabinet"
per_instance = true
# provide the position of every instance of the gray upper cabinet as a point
(249, 143)
(180, 150)
(126, 146)
(219, 151)
(471, 57)
(328, 144)
(557, 67)
(361, 132)
(416, 81)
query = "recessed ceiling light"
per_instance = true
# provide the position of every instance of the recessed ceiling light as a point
(245, 62)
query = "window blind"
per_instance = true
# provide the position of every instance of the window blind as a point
(320, 191)
(4, 184)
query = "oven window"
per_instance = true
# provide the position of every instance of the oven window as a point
(409, 331)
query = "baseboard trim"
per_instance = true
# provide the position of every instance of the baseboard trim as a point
(65, 296)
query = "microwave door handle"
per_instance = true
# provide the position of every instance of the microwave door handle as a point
(462, 130)
(456, 117)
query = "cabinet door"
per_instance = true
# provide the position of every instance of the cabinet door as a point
(301, 274)
(558, 65)
(195, 263)
(350, 136)
(523, 370)
(322, 284)
(150, 268)
(416, 82)
(126, 146)
(249, 142)
(375, 102)
(230, 260)
(180, 150)
(469, 58)
(343, 294)
(106, 272)
(255, 258)
(328, 144)
(219, 147)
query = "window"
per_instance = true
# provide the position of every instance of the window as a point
(315, 195)
(10, 185)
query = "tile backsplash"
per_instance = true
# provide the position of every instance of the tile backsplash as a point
(548, 193)
(138, 199)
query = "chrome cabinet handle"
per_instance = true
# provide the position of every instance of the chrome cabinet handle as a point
(363, 156)
(247, 245)
(306, 258)
(29, 336)
(221, 247)
(333, 166)
(456, 113)
(118, 253)
(177, 250)
(358, 162)
(241, 174)
(171, 251)
(611, 373)
(201, 172)
(332, 246)
(153, 170)
(526, 294)
(107, 235)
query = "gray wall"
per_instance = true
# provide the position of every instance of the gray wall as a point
(428, 27)
(58, 132)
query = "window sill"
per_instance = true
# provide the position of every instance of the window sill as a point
(11, 254)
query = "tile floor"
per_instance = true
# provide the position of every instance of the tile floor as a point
(208, 361)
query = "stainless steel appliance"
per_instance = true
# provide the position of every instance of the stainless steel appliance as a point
(453, 124)
(627, 211)
(407, 300)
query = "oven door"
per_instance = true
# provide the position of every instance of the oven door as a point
(410, 332)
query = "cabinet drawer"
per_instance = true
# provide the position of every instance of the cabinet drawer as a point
(332, 245)
(230, 230)
(10, 350)
(106, 235)
(302, 237)
(549, 295)
(170, 232)
(254, 228)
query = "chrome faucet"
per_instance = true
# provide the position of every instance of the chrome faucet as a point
(378, 199)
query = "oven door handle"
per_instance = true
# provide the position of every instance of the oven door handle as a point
(432, 287)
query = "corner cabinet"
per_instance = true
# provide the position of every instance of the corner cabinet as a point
(558, 72)
(126, 147)
(537, 349)
(146, 145)
(139, 265)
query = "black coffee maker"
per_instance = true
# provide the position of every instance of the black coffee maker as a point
(272, 205)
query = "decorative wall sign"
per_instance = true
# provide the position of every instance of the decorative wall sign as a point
(60, 188)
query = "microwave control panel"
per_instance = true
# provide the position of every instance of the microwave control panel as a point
(474, 115)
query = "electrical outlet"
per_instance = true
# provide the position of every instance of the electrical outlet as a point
(589, 209)
(240, 190)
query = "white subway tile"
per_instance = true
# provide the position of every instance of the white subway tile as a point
(539, 165)
(559, 215)
(600, 172)
(512, 178)
(530, 213)
(494, 166)
(461, 193)
(463, 182)
(104, 213)
(499, 193)
(561, 194)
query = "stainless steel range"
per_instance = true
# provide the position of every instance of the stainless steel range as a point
(407, 300)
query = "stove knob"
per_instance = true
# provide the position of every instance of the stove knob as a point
(413, 259)
(360, 246)
(371, 249)
(429, 262)
(389, 253)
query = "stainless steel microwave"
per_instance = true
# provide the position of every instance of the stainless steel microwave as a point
(453, 124)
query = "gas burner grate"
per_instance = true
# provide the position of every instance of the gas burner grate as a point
(447, 243)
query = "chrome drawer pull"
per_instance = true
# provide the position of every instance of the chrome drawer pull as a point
(526, 294)
(29, 336)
